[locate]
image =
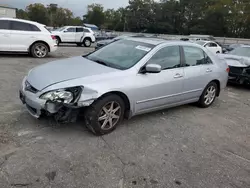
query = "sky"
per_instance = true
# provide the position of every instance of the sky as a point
(78, 7)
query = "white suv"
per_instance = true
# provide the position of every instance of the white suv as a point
(18, 35)
(75, 34)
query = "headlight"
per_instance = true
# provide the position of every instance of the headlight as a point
(58, 95)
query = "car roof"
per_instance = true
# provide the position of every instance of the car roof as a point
(153, 41)
(157, 41)
(22, 20)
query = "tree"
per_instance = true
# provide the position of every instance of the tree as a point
(95, 15)
(76, 21)
(38, 12)
(21, 14)
(214, 17)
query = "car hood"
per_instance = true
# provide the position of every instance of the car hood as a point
(235, 61)
(63, 70)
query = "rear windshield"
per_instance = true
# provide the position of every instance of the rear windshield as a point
(47, 29)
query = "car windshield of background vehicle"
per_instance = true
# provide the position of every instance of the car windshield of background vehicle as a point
(241, 51)
(122, 54)
(60, 29)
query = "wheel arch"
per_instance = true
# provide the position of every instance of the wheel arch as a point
(39, 41)
(57, 36)
(126, 100)
(218, 85)
(87, 37)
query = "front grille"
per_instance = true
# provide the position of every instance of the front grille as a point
(30, 88)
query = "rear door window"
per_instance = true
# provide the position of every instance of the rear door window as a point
(21, 26)
(193, 56)
(79, 29)
(4, 24)
(86, 30)
(71, 30)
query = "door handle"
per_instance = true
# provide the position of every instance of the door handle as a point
(209, 70)
(178, 75)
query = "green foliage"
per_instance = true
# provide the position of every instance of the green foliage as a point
(38, 12)
(95, 15)
(50, 15)
(214, 17)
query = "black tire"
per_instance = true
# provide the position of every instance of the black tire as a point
(93, 113)
(202, 101)
(87, 42)
(44, 50)
(218, 52)
(79, 44)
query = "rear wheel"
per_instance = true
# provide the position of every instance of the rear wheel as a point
(103, 116)
(58, 40)
(87, 42)
(39, 50)
(208, 96)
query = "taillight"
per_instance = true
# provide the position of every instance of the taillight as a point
(228, 69)
(53, 37)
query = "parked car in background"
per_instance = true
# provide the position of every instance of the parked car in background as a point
(201, 37)
(155, 74)
(210, 45)
(18, 35)
(239, 64)
(105, 36)
(233, 46)
(102, 43)
(75, 34)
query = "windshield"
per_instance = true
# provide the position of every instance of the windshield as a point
(121, 54)
(200, 42)
(241, 51)
(60, 29)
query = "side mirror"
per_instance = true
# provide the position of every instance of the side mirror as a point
(153, 68)
(65, 31)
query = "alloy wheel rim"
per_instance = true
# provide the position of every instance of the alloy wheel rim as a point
(87, 42)
(210, 95)
(109, 115)
(40, 51)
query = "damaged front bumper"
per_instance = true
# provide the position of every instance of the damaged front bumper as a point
(37, 107)
(239, 75)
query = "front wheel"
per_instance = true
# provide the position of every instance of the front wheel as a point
(103, 116)
(87, 42)
(208, 96)
(39, 50)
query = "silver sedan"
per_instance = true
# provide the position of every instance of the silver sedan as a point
(123, 79)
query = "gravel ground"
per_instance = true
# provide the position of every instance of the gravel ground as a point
(185, 147)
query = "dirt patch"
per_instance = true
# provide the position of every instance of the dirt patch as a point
(5, 138)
